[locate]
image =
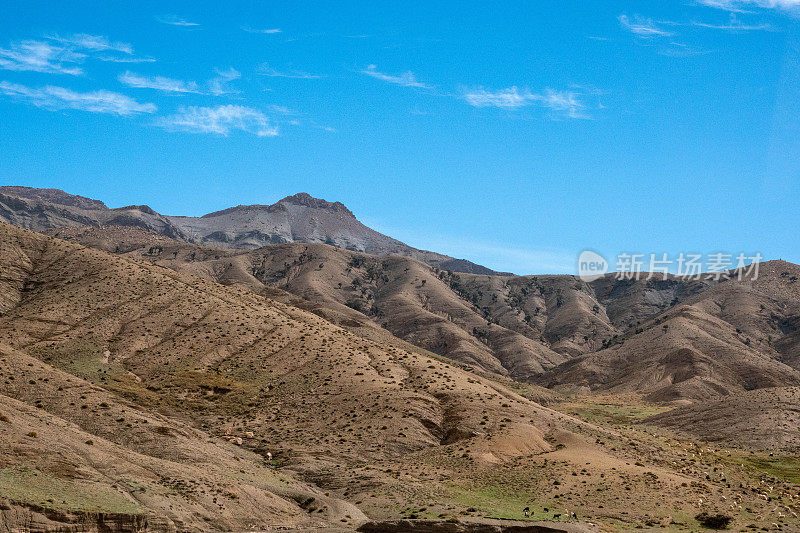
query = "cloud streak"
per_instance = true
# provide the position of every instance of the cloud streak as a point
(406, 79)
(267, 31)
(642, 27)
(265, 70)
(743, 6)
(221, 83)
(63, 55)
(563, 103)
(158, 83)
(507, 98)
(174, 20)
(220, 120)
(92, 42)
(41, 56)
(733, 25)
(56, 98)
(126, 59)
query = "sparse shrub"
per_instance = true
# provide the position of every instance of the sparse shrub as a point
(713, 521)
(90, 442)
(353, 303)
(3, 418)
(32, 434)
(357, 261)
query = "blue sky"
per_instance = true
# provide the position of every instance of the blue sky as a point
(514, 134)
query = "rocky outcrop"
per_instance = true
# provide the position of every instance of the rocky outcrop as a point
(18, 516)
(443, 526)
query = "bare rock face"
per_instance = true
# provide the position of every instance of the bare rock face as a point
(303, 218)
(19, 516)
(53, 196)
(43, 209)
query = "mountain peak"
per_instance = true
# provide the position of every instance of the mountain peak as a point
(302, 199)
(296, 218)
(54, 196)
(306, 200)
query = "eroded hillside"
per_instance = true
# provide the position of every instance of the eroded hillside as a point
(161, 369)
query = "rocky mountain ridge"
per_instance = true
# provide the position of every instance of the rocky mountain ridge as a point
(296, 218)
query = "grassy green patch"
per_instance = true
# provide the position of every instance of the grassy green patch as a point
(499, 502)
(82, 357)
(611, 413)
(33, 486)
(786, 468)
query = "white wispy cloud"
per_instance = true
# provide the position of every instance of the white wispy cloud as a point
(158, 83)
(221, 83)
(564, 103)
(174, 20)
(281, 110)
(642, 27)
(265, 70)
(743, 6)
(55, 98)
(126, 59)
(509, 98)
(406, 79)
(734, 24)
(220, 120)
(92, 42)
(58, 54)
(41, 56)
(266, 31)
(676, 49)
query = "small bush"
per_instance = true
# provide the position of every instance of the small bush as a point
(713, 521)
(32, 434)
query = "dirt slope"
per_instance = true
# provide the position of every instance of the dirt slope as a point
(734, 336)
(65, 438)
(226, 359)
(767, 419)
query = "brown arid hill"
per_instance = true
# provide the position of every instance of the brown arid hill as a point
(296, 218)
(515, 326)
(557, 331)
(160, 369)
(766, 419)
(69, 444)
(732, 337)
(671, 340)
